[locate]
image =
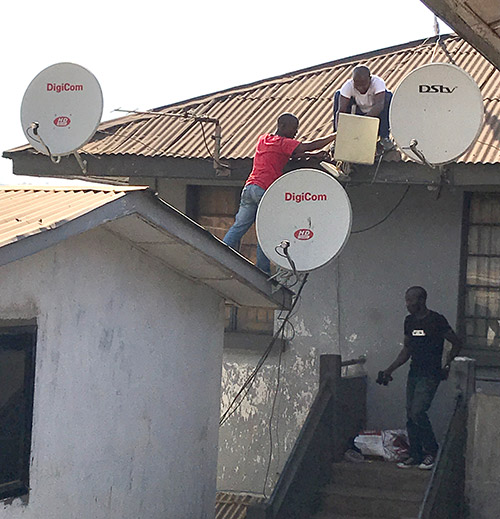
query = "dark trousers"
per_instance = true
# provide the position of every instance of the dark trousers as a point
(383, 129)
(419, 394)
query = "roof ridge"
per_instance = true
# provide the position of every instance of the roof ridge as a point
(287, 76)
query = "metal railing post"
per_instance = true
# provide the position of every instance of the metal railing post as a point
(465, 375)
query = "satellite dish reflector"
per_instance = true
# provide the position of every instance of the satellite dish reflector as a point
(436, 113)
(61, 109)
(309, 209)
(357, 137)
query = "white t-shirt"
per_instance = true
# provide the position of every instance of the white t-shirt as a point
(364, 101)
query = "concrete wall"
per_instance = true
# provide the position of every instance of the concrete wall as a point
(418, 245)
(482, 483)
(353, 306)
(127, 384)
(244, 443)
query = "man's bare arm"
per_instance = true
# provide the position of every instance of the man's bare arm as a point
(378, 106)
(317, 144)
(401, 359)
(343, 104)
(456, 345)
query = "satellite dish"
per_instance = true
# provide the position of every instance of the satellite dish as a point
(61, 109)
(311, 211)
(436, 113)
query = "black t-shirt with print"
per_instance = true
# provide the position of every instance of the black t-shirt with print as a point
(426, 340)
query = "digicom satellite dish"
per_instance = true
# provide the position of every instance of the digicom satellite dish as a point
(436, 113)
(61, 109)
(356, 138)
(310, 211)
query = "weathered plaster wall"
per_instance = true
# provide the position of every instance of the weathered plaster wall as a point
(354, 306)
(482, 485)
(127, 387)
(244, 441)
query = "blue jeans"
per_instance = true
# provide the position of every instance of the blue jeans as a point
(420, 391)
(383, 129)
(245, 217)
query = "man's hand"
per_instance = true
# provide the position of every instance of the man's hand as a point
(383, 378)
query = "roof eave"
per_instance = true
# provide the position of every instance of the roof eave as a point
(236, 279)
(469, 25)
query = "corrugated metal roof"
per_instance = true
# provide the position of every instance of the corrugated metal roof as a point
(247, 111)
(28, 210)
(477, 21)
(234, 506)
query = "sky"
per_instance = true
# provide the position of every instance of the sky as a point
(148, 54)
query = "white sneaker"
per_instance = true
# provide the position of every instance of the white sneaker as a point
(427, 462)
(408, 463)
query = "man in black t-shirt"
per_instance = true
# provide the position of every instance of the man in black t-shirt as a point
(424, 335)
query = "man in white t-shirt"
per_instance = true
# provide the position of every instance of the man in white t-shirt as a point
(370, 96)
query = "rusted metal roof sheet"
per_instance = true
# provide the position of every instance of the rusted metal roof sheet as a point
(28, 210)
(234, 506)
(247, 111)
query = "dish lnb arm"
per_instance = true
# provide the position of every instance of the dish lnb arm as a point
(419, 154)
(284, 245)
(33, 128)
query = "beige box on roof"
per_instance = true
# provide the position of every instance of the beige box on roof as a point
(357, 137)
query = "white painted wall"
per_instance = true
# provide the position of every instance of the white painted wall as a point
(127, 383)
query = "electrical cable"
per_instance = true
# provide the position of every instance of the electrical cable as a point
(386, 216)
(278, 378)
(245, 388)
(378, 167)
(33, 127)
(205, 141)
(220, 164)
(435, 48)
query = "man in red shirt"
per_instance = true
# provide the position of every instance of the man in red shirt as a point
(272, 153)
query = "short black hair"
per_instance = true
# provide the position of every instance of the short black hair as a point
(421, 292)
(361, 69)
(287, 118)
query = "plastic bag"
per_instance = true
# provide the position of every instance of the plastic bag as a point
(370, 443)
(390, 444)
(396, 445)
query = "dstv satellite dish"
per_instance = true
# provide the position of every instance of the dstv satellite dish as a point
(311, 211)
(61, 109)
(356, 138)
(436, 113)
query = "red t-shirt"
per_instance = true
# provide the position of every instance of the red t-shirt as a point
(271, 155)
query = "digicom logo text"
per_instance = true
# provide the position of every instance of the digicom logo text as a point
(64, 87)
(436, 89)
(304, 197)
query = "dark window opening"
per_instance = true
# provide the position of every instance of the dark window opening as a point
(17, 366)
(481, 297)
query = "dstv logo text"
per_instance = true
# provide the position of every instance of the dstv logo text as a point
(307, 197)
(62, 121)
(64, 87)
(303, 234)
(435, 89)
